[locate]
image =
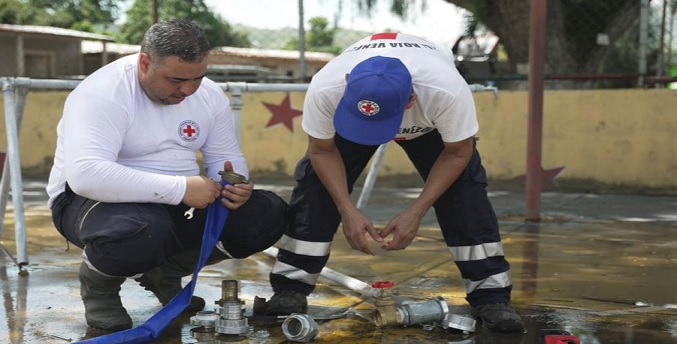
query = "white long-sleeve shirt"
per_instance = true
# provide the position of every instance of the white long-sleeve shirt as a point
(116, 145)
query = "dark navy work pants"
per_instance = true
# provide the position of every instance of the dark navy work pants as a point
(464, 213)
(125, 239)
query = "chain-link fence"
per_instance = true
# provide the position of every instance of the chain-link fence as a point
(600, 43)
(619, 43)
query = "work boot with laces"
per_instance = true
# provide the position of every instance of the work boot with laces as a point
(165, 281)
(285, 302)
(499, 317)
(101, 297)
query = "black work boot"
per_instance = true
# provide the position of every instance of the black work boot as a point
(165, 280)
(499, 317)
(101, 296)
(285, 302)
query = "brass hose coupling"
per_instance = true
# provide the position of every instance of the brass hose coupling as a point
(233, 178)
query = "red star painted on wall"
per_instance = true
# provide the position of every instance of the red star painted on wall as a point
(547, 177)
(283, 113)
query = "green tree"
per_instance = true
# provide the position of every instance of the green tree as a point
(219, 32)
(319, 38)
(82, 15)
(320, 35)
(15, 12)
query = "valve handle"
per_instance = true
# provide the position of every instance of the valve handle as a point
(383, 285)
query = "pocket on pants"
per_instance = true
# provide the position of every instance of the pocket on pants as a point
(128, 239)
(477, 172)
(58, 205)
(303, 169)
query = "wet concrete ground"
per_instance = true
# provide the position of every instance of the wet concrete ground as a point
(602, 267)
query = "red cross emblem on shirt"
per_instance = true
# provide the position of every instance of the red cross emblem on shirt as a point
(189, 130)
(368, 107)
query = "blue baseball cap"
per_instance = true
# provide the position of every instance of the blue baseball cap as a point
(371, 110)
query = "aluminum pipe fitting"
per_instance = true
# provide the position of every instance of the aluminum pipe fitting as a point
(459, 322)
(300, 328)
(231, 320)
(206, 319)
(424, 312)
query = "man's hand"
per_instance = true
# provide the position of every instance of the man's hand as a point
(404, 228)
(235, 196)
(356, 226)
(451, 162)
(201, 192)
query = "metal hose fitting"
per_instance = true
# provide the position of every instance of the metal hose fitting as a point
(300, 328)
(233, 178)
(231, 320)
(459, 322)
(206, 319)
(424, 312)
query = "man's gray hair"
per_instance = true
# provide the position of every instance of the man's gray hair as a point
(178, 37)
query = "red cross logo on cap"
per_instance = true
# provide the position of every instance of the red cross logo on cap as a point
(368, 107)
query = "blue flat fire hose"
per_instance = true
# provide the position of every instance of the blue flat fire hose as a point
(154, 327)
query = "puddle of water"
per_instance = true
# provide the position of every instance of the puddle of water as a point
(584, 278)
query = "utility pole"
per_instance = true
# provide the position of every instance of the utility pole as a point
(661, 45)
(155, 11)
(643, 39)
(537, 48)
(673, 7)
(302, 45)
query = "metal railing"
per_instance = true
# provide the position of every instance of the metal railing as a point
(15, 91)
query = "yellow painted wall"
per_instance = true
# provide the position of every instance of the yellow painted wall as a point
(622, 137)
(610, 136)
(37, 139)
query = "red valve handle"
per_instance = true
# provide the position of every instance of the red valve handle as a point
(383, 285)
(562, 339)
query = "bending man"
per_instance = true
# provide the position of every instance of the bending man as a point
(393, 87)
